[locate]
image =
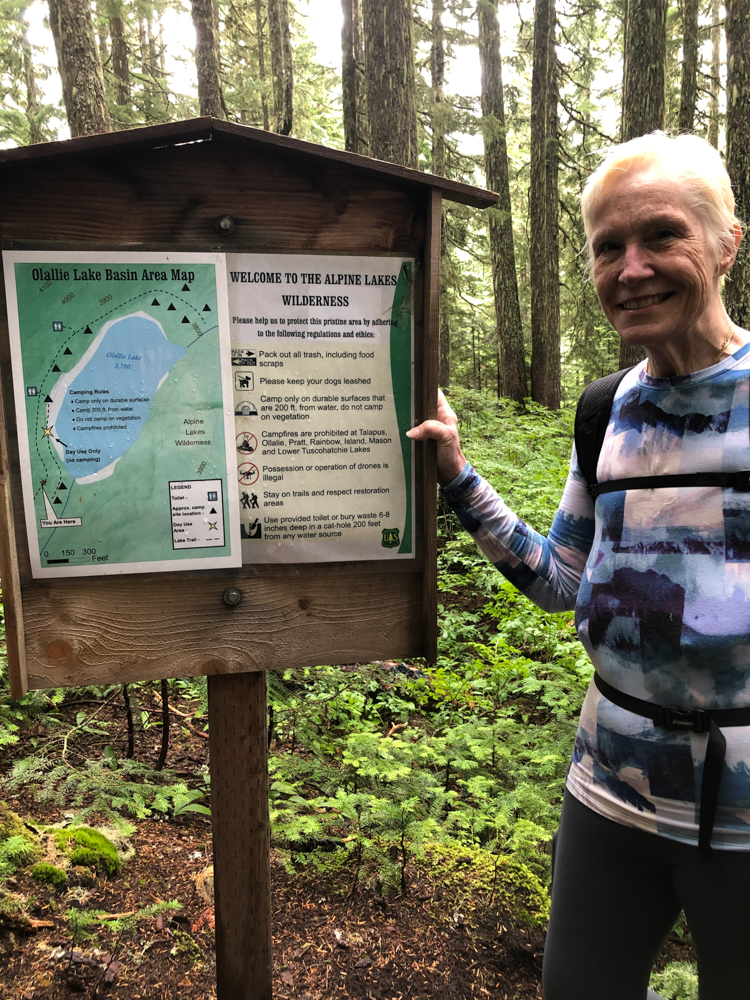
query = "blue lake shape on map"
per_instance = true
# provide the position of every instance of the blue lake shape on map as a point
(92, 445)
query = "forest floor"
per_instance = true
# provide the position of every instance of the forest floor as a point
(329, 940)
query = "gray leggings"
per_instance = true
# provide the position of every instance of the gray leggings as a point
(617, 894)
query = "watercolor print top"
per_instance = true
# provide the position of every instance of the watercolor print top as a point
(660, 582)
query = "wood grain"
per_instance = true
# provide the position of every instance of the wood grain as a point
(430, 386)
(9, 572)
(98, 631)
(239, 807)
(248, 138)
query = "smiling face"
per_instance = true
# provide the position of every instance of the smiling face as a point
(655, 269)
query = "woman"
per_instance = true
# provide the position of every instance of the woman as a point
(660, 579)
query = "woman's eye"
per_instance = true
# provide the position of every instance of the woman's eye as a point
(608, 246)
(665, 234)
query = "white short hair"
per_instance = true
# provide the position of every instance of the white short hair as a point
(690, 162)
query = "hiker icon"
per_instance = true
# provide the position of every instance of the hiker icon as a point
(247, 473)
(254, 530)
(248, 501)
(246, 443)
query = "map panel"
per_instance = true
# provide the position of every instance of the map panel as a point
(122, 376)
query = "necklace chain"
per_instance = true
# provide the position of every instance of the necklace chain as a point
(718, 353)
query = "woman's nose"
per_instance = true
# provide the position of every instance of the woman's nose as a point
(635, 264)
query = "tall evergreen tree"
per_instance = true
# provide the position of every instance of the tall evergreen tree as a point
(352, 78)
(210, 97)
(438, 166)
(545, 313)
(389, 70)
(643, 90)
(282, 70)
(689, 65)
(80, 66)
(511, 362)
(715, 83)
(738, 146)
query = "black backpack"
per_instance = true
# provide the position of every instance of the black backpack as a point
(592, 417)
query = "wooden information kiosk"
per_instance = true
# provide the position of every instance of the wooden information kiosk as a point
(212, 340)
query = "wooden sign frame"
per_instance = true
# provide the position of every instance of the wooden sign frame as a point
(164, 188)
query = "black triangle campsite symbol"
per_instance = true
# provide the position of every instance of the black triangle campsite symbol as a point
(155, 302)
(207, 308)
(57, 500)
(48, 399)
(88, 330)
(55, 368)
(67, 351)
(186, 288)
(62, 486)
(212, 511)
(185, 319)
(171, 307)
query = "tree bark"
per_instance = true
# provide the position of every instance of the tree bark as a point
(737, 290)
(261, 63)
(643, 94)
(389, 70)
(510, 348)
(120, 64)
(689, 65)
(437, 80)
(80, 66)
(210, 97)
(351, 76)
(545, 315)
(32, 90)
(281, 65)
(713, 124)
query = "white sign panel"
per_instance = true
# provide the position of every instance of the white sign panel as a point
(322, 374)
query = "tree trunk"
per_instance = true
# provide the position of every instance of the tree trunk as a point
(437, 74)
(737, 290)
(545, 317)
(389, 69)
(643, 95)
(713, 124)
(210, 97)
(281, 65)
(349, 76)
(80, 66)
(261, 62)
(32, 90)
(689, 65)
(120, 65)
(510, 349)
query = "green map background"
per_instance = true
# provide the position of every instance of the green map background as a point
(127, 515)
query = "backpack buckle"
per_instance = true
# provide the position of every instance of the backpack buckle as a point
(742, 482)
(671, 717)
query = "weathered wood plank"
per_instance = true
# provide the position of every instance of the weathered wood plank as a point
(239, 806)
(9, 571)
(99, 631)
(174, 195)
(429, 453)
(229, 133)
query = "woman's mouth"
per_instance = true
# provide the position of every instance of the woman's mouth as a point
(648, 300)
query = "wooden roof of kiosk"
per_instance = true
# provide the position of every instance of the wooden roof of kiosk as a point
(162, 188)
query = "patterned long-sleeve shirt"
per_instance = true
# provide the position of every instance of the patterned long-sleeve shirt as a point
(660, 581)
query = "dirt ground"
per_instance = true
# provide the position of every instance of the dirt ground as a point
(327, 943)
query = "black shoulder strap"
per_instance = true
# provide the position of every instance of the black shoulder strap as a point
(592, 417)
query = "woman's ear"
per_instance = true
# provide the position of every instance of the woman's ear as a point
(729, 250)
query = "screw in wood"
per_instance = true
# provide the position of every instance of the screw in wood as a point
(232, 597)
(224, 225)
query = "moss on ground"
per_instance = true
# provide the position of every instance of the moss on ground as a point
(49, 874)
(90, 848)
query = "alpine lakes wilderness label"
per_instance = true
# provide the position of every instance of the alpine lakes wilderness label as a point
(322, 373)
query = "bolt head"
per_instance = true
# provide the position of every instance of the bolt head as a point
(232, 597)
(224, 225)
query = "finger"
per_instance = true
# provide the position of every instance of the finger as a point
(432, 430)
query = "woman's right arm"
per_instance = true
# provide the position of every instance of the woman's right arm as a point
(546, 570)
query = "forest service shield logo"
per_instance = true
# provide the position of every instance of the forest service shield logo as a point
(390, 538)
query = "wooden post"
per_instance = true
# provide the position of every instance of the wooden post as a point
(241, 835)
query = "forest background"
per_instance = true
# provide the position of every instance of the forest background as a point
(376, 769)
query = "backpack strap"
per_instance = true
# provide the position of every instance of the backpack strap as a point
(592, 417)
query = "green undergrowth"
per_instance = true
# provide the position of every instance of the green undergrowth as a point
(385, 775)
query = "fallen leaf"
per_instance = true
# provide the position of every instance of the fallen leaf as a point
(363, 963)
(111, 971)
(287, 978)
(340, 939)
